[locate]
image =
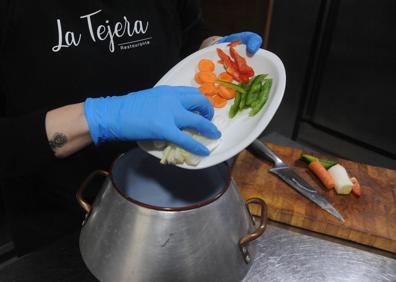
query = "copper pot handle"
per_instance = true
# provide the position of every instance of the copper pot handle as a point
(258, 232)
(84, 204)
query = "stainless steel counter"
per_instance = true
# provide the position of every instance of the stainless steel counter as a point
(284, 254)
(287, 254)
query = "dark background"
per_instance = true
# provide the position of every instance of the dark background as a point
(340, 64)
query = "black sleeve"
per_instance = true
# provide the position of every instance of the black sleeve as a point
(23, 145)
(23, 140)
(194, 29)
(5, 9)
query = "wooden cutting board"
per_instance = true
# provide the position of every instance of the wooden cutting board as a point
(369, 220)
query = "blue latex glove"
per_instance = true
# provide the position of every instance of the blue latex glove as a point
(158, 113)
(252, 40)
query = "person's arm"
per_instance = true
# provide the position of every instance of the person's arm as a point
(153, 114)
(159, 113)
(210, 41)
(67, 130)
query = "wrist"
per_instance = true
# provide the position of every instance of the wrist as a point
(67, 129)
(102, 118)
(93, 109)
(210, 41)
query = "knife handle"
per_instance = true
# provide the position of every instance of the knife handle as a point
(260, 147)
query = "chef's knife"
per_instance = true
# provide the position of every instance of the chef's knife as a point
(290, 176)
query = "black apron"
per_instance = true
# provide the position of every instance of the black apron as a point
(56, 53)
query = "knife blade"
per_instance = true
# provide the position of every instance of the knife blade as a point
(288, 175)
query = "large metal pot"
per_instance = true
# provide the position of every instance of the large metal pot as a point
(157, 223)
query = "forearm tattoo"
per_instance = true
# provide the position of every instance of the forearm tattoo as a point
(58, 140)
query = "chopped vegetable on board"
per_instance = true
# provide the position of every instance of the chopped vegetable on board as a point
(356, 189)
(318, 169)
(309, 158)
(343, 184)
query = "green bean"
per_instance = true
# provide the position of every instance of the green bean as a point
(262, 98)
(242, 104)
(244, 85)
(254, 89)
(235, 106)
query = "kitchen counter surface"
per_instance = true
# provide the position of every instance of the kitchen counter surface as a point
(284, 254)
(289, 254)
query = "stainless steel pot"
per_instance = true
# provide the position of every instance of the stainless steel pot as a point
(157, 223)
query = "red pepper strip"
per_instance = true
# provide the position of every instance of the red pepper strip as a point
(244, 78)
(243, 67)
(234, 43)
(229, 65)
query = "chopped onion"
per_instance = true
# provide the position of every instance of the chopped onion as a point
(176, 155)
(159, 144)
(173, 154)
(343, 184)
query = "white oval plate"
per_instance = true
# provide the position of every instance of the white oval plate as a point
(241, 130)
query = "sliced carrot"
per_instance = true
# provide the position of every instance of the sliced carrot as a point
(206, 76)
(206, 65)
(210, 98)
(226, 93)
(356, 187)
(225, 76)
(218, 101)
(208, 89)
(197, 79)
(318, 169)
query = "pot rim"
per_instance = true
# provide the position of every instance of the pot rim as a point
(178, 209)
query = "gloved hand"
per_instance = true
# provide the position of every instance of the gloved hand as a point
(252, 40)
(158, 113)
